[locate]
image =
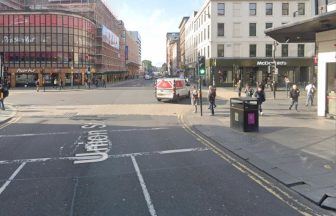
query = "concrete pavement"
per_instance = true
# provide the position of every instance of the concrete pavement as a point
(296, 148)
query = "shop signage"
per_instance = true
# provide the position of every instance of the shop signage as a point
(266, 63)
(18, 39)
(26, 70)
(110, 38)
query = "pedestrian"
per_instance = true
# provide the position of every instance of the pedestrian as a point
(260, 95)
(310, 88)
(194, 98)
(104, 83)
(248, 91)
(37, 83)
(55, 83)
(286, 84)
(239, 87)
(212, 99)
(294, 95)
(2, 97)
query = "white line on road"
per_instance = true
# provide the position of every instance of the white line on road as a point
(3, 187)
(36, 160)
(144, 188)
(64, 133)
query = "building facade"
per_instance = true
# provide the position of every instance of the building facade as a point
(173, 53)
(182, 44)
(136, 37)
(133, 61)
(230, 34)
(70, 41)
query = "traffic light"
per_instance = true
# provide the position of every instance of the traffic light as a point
(201, 66)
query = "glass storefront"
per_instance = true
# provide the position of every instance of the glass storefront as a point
(44, 40)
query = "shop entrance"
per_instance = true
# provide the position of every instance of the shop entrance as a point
(331, 89)
(25, 80)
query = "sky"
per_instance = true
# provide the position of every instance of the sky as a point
(153, 19)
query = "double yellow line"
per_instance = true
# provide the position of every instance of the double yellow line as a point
(262, 181)
(12, 121)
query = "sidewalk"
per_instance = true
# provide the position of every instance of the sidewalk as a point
(296, 148)
(8, 114)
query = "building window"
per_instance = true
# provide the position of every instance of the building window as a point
(269, 8)
(221, 9)
(268, 25)
(236, 9)
(236, 29)
(301, 8)
(220, 50)
(253, 50)
(301, 50)
(220, 29)
(208, 51)
(208, 31)
(253, 29)
(285, 9)
(269, 50)
(253, 9)
(284, 50)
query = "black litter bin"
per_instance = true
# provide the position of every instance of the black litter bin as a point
(244, 114)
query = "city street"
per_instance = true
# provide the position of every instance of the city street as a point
(117, 151)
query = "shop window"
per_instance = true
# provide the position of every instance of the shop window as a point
(76, 22)
(284, 50)
(43, 20)
(1, 20)
(253, 50)
(37, 20)
(53, 20)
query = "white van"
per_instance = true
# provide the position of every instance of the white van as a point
(171, 88)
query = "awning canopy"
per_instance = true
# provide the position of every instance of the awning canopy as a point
(305, 30)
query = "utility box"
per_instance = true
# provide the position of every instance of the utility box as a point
(244, 115)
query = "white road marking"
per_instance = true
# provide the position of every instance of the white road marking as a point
(65, 133)
(39, 134)
(36, 160)
(3, 187)
(144, 188)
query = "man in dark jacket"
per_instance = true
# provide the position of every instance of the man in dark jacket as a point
(294, 95)
(260, 95)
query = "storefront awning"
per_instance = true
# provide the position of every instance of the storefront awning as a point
(305, 30)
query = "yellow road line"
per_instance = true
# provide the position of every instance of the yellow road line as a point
(262, 181)
(12, 121)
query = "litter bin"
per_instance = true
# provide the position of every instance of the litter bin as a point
(244, 114)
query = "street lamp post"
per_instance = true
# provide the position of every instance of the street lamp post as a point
(275, 70)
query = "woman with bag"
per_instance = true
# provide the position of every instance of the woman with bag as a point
(194, 98)
(212, 98)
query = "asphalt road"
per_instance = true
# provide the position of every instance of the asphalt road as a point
(147, 165)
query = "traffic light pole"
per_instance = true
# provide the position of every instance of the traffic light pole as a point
(201, 100)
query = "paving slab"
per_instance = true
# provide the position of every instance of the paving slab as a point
(330, 203)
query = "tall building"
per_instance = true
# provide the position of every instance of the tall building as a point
(230, 34)
(133, 60)
(136, 37)
(173, 52)
(182, 42)
(68, 40)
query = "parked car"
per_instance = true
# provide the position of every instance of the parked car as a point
(148, 77)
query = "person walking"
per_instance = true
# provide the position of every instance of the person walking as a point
(55, 83)
(310, 88)
(239, 87)
(2, 97)
(294, 95)
(194, 98)
(37, 83)
(248, 90)
(260, 95)
(212, 99)
(287, 84)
